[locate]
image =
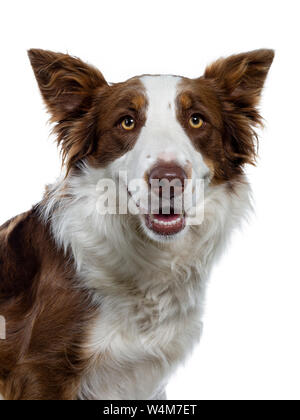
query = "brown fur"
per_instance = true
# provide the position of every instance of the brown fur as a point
(41, 356)
(121, 99)
(226, 97)
(86, 110)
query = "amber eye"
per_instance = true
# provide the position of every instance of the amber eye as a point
(196, 121)
(128, 123)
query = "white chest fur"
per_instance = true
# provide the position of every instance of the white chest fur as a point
(137, 343)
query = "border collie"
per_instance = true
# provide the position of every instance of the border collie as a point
(106, 305)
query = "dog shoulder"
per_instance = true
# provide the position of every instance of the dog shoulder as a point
(19, 259)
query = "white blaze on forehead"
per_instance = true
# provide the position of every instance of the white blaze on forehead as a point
(161, 123)
(163, 137)
(161, 92)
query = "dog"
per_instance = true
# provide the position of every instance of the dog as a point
(107, 305)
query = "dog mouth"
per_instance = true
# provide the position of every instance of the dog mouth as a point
(165, 221)
(166, 224)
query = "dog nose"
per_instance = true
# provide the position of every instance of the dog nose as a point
(170, 172)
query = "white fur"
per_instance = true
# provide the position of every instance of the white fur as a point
(150, 294)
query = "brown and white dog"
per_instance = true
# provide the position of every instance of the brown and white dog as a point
(106, 306)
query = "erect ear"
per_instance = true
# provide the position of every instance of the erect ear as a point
(239, 80)
(242, 76)
(68, 87)
(65, 82)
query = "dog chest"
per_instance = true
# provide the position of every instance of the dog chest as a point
(134, 349)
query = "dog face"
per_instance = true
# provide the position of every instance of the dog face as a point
(156, 129)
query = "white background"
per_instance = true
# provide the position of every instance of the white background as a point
(250, 347)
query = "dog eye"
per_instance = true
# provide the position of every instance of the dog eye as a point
(196, 121)
(128, 123)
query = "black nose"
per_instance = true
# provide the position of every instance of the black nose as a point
(169, 171)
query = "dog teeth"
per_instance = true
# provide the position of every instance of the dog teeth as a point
(161, 222)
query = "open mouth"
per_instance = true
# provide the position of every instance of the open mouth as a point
(165, 224)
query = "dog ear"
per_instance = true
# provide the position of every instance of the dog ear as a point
(66, 83)
(242, 76)
(238, 81)
(68, 87)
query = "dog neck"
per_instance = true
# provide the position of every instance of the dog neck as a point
(110, 251)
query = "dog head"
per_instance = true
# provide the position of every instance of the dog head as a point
(157, 130)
